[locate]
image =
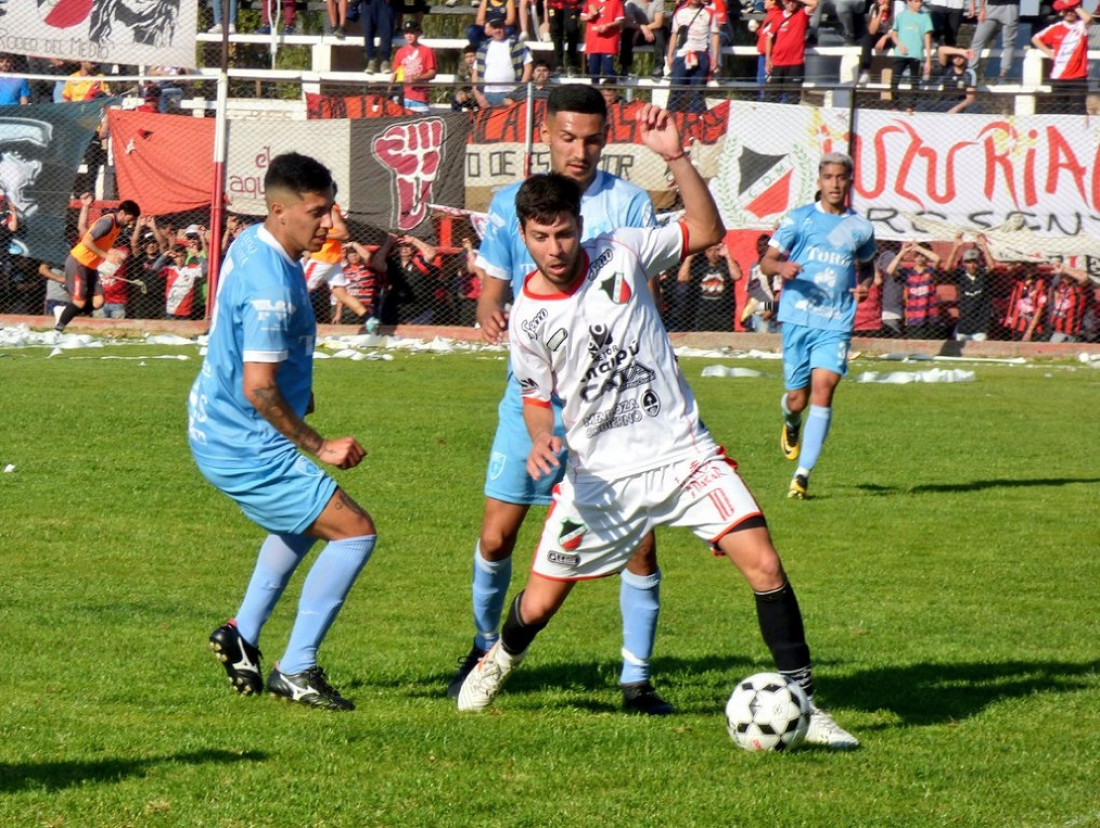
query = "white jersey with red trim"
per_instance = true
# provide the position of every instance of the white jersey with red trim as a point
(602, 348)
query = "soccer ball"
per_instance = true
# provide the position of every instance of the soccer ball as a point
(767, 711)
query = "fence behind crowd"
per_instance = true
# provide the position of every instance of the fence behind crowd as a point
(1005, 186)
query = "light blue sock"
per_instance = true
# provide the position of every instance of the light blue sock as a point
(327, 585)
(640, 603)
(279, 557)
(490, 587)
(813, 437)
(791, 418)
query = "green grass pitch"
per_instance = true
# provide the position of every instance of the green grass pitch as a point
(947, 566)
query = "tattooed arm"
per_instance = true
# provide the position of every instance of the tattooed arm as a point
(261, 390)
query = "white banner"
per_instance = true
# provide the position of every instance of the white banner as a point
(972, 173)
(252, 144)
(149, 32)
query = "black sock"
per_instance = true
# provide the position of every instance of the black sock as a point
(67, 315)
(515, 636)
(781, 625)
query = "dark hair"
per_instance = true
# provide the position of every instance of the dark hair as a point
(297, 173)
(576, 97)
(130, 207)
(545, 197)
(537, 62)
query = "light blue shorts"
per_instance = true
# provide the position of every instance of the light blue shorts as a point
(805, 349)
(283, 493)
(506, 478)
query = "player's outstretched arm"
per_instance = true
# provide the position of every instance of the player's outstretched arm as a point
(261, 390)
(659, 133)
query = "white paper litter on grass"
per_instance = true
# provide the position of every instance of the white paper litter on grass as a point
(726, 371)
(168, 339)
(905, 377)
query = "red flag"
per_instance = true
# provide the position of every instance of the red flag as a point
(164, 162)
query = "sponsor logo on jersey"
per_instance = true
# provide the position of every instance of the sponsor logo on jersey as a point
(624, 413)
(599, 338)
(607, 376)
(562, 559)
(600, 261)
(531, 326)
(527, 386)
(617, 288)
(555, 341)
(651, 403)
(571, 535)
(267, 309)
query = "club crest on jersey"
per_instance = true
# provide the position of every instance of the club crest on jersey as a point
(617, 288)
(571, 535)
(651, 403)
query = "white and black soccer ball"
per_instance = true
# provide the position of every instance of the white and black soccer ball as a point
(767, 711)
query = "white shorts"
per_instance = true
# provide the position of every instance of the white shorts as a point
(594, 524)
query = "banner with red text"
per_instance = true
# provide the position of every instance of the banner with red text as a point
(153, 32)
(968, 172)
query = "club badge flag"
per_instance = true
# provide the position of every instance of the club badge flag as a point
(157, 32)
(41, 149)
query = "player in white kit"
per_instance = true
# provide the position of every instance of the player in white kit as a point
(587, 330)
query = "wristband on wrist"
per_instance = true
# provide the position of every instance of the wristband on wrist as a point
(675, 157)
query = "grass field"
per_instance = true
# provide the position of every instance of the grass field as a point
(947, 567)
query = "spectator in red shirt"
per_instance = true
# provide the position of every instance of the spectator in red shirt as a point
(1066, 43)
(1069, 299)
(922, 308)
(1026, 308)
(785, 55)
(414, 65)
(603, 21)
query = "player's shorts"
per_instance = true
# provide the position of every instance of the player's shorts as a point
(283, 493)
(807, 348)
(81, 281)
(595, 524)
(506, 478)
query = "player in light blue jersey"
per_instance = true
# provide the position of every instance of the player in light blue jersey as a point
(249, 438)
(824, 253)
(575, 130)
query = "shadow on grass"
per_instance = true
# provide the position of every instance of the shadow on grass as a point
(974, 485)
(927, 694)
(55, 776)
(919, 694)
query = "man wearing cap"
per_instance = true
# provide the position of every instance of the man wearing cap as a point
(414, 64)
(975, 293)
(1066, 43)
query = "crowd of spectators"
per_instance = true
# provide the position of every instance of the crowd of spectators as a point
(916, 293)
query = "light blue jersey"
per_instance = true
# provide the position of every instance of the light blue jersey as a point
(608, 204)
(829, 248)
(262, 314)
